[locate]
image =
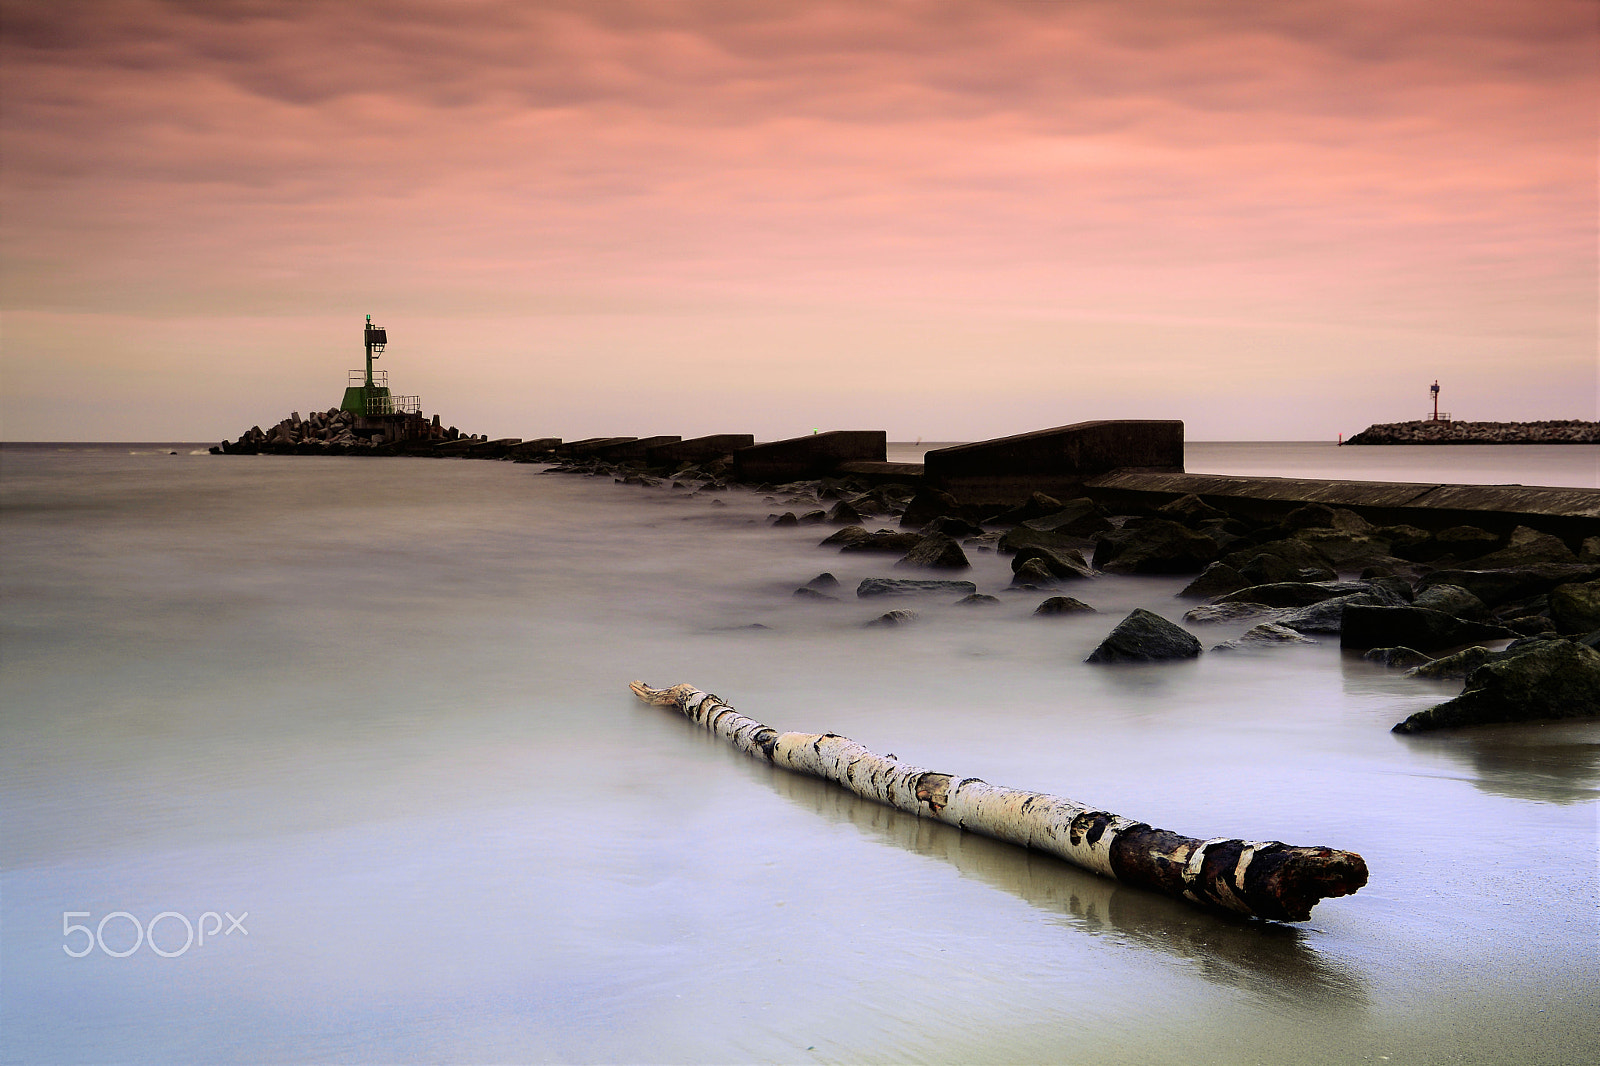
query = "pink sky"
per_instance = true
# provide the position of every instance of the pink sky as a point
(945, 220)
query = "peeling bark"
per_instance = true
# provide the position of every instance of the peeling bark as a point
(1263, 879)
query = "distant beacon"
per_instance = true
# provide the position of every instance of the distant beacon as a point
(379, 413)
(1437, 417)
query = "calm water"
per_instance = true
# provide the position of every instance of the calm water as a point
(381, 706)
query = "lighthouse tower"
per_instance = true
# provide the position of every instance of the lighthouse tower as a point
(380, 413)
(1437, 417)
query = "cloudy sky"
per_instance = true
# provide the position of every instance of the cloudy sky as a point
(949, 220)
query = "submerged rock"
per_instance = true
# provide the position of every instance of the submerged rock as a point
(1398, 658)
(1448, 667)
(893, 618)
(899, 586)
(977, 599)
(1033, 574)
(805, 592)
(1155, 546)
(884, 540)
(1217, 579)
(1145, 636)
(1267, 634)
(1541, 679)
(1060, 562)
(1229, 612)
(936, 551)
(1063, 605)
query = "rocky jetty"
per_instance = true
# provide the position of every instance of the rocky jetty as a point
(334, 432)
(1427, 431)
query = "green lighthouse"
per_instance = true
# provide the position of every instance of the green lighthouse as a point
(366, 394)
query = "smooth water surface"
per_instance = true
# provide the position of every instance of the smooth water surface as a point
(381, 706)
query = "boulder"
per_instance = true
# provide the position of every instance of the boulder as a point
(1461, 542)
(893, 618)
(1267, 634)
(787, 518)
(1544, 679)
(1025, 536)
(805, 592)
(1497, 587)
(977, 599)
(1037, 505)
(1407, 542)
(1452, 599)
(952, 526)
(1525, 547)
(900, 586)
(847, 536)
(1158, 546)
(1450, 667)
(1590, 551)
(1191, 510)
(1144, 636)
(1298, 554)
(1575, 607)
(1415, 627)
(1345, 549)
(1033, 574)
(1265, 569)
(1063, 605)
(1062, 562)
(1328, 616)
(1218, 579)
(823, 581)
(1081, 517)
(843, 514)
(1229, 612)
(883, 540)
(1294, 593)
(927, 505)
(936, 551)
(811, 518)
(1399, 658)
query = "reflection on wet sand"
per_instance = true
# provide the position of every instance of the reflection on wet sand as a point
(1548, 762)
(1262, 958)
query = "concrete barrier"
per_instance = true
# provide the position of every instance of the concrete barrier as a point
(633, 450)
(1564, 512)
(698, 449)
(493, 449)
(537, 446)
(1055, 461)
(586, 446)
(814, 456)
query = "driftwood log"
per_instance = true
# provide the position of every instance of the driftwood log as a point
(1263, 879)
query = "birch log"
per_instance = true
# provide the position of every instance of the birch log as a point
(1263, 879)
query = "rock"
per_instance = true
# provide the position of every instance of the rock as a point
(1081, 517)
(805, 592)
(1530, 624)
(1298, 554)
(1294, 593)
(1309, 516)
(951, 526)
(1415, 627)
(1399, 658)
(1061, 562)
(898, 586)
(883, 540)
(894, 618)
(1454, 666)
(1264, 569)
(1346, 550)
(1452, 599)
(1590, 551)
(1229, 612)
(1266, 634)
(936, 551)
(1462, 542)
(1408, 542)
(1063, 605)
(1036, 505)
(1575, 608)
(1526, 547)
(1144, 636)
(823, 580)
(811, 518)
(977, 599)
(1328, 616)
(927, 505)
(1191, 510)
(1158, 546)
(847, 535)
(843, 514)
(1218, 579)
(1025, 536)
(1496, 587)
(787, 518)
(1033, 574)
(1545, 679)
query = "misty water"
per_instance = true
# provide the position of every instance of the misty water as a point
(376, 711)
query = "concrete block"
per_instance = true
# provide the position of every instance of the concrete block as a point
(698, 449)
(1053, 461)
(631, 450)
(587, 446)
(537, 446)
(813, 456)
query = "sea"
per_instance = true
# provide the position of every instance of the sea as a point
(333, 760)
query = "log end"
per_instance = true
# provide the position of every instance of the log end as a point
(1298, 878)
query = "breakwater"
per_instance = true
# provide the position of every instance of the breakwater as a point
(1429, 431)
